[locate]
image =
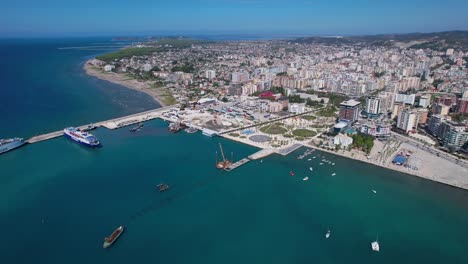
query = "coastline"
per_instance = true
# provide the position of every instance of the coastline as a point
(124, 81)
(432, 171)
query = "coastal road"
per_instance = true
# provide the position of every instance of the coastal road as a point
(431, 150)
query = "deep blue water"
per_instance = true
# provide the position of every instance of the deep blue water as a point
(43, 87)
(58, 200)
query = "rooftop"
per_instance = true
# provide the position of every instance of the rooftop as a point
(350, 103)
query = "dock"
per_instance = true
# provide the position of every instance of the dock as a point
(110, 124)
(237, 164)
(261, 154)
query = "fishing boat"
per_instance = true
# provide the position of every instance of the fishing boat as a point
(327, 235)
(305, 178)
(108, 241)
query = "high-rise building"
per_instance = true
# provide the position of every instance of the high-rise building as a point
(239, 77)
(407, 120)
(434, 124)
(405, 98)
(373, 105)
(210, 74)
(349, 110)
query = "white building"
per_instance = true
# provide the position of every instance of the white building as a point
(405, 98)
(297, 108)
(108, 68)
(373, 105)
(407, 120)
(147, 67)
(343, 140)
(449, 52)
(424, 101)
(210, 74)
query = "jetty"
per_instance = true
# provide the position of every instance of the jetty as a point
(110, 124)
(237, 164)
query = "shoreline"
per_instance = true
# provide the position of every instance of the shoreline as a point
(452, 182)
(122, 80)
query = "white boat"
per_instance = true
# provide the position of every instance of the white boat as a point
(309, 159)
(375, 246)
(311, 169)
(313, 157)
(333, 174)
(305, 178)
(327, 235)
(321, 163)
(333, 164)
(374, 191)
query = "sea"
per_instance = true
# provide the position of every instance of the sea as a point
(58, 200)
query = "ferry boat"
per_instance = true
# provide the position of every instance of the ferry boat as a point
(81, 137)
(10, 144)
(108, 241)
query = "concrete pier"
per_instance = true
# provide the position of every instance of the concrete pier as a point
(110, 124)
(237, 164)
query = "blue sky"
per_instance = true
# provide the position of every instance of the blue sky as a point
(20, 18)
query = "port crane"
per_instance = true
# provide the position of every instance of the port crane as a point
(224, 163)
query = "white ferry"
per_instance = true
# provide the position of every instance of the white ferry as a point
(81, 137)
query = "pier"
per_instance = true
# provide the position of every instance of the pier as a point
(110, 124)
(237, 164)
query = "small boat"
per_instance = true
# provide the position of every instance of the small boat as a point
(327, 235)
(191, 130)
(291, 173)
(333, 164)
(333, 174)
(321, 163)
(313, 157)
(375, 246)
(311, 169)
(108, 241)
(137, 128)
(309, 159)
(305, 178)
(374, 191)
(162, 187)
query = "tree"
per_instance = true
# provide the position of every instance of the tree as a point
(224, 99)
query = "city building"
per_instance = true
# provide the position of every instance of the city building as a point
(440, 109)
(376, 130)
(462, 105)
(342, 140)
(349, 110)
(297, 108)
(407, 120)
(108, 67)
(405, 98)
(373, 105)
(422, 116)
(239, 77)
(425, 101)
(210, 74)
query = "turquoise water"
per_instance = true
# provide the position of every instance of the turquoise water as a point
(58, 200)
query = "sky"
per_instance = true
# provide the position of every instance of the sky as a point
(42, 18)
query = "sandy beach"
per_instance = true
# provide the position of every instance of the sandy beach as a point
(156, 94)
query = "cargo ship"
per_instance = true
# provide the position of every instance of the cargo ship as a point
(81, 137)
(10, 144)
(108, 241)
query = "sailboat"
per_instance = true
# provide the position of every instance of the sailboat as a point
(327, 235)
